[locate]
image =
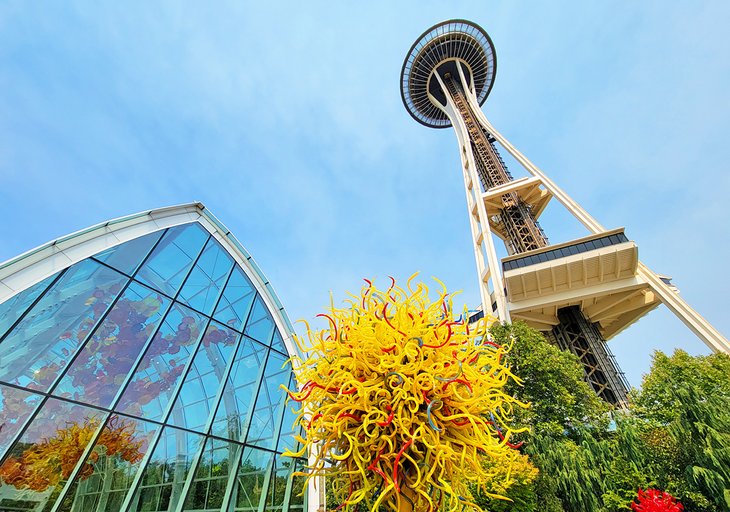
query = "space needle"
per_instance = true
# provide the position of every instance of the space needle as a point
(579, 293)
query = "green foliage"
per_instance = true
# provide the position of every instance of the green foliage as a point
(568, 440)
(660, 397)
(675, 437)
(685, 402)
(552, 382)
(515, 482)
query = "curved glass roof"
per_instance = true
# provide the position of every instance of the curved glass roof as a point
(147, 377)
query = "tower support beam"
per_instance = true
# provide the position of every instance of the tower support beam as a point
(522, 234)
(494, 300)
(668, 294)
(581, 292)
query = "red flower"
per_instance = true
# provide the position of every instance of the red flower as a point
(653, 500)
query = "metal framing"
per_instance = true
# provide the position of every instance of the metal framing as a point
(581, 337)
(32, 267)
(521, 233)
(437, 57)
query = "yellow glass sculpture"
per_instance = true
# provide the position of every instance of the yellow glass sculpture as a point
(402, 402)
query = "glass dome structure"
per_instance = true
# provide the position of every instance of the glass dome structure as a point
(140, 370)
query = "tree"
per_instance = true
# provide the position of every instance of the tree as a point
(685, 404)
(552, 382)
(515, 482)
(659, 400)
(583, 464)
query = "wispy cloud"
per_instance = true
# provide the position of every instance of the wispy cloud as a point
(286, 120)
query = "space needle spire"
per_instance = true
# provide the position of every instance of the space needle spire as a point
(579, 293)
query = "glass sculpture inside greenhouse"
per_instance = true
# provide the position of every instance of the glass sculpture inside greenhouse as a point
(145, 375)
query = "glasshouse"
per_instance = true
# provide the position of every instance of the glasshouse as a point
(141, 365)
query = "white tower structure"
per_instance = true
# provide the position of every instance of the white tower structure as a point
(580, 293)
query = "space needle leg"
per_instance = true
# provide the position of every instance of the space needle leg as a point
(489, 270)
(676, 304)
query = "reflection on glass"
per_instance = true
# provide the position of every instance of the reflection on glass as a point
(164, 477)
(106, 359)
(269, 404)
(15, 306)
(161, 367)
(169, 263)
(280, 476)
(289, 429)
(94, 343)
(128, 256)
(109, 469)
(41, 345)
(260, 325)
(16, 406)
(212, 475)
(196, 399)
(202, 287)
(236, 300)
(277, 343)
(231, 418)
(251, 478)
(298, 487)
(41, 461)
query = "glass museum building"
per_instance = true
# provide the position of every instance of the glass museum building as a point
(141, 366)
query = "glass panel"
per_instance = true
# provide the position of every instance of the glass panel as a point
(296, 499)
(159, 371)
(260, 325)
(108, 356)
(108, 472)
(128, 256)
(236, 300)
(41, 345)
(277, 343)
(203, 286)
(15, 306)
(212, 475)
(16, 406)
(197, 396)
(231, 418)
(251, 475)
(280, 475)
(169, 263)
(288, 428)
(164, 477)
(41, 461)
(265, 416)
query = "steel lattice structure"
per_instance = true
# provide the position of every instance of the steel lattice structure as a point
(579, 293)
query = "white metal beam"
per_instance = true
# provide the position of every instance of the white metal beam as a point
(696, 323)
(484, 233)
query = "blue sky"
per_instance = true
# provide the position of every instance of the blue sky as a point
(285, 119)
